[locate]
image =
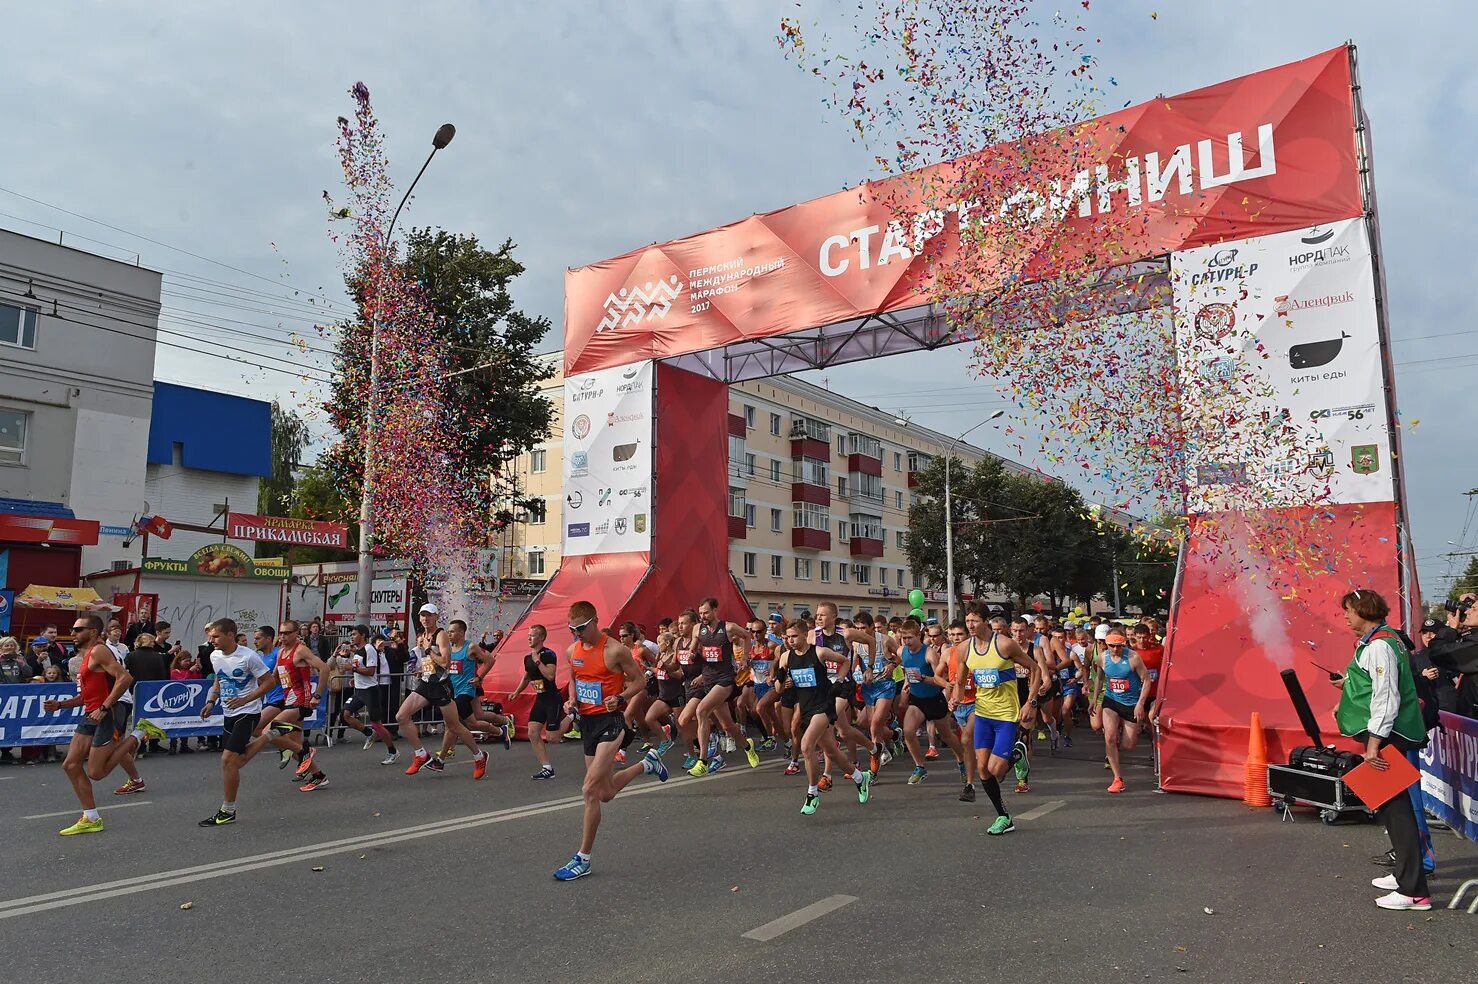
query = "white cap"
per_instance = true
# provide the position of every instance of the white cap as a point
(1101, 633)
(428, 607)
(1070, 625)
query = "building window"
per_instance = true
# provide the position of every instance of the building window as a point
(775, 566)
(14, 426)
(842, 444)
(865, 486)
(775, 470)
(899, 535)
(748, 416)
(900, 577)
(775, 424)
(842, 536)
(867, 527)
(538, 512)
(749, 465)
(862, 573)
(918, 581)
(749, 514)
(536, 562)
(18, 326)
(844, 612)
(803, 568)
(538, 460)
(897, 461)
(826, 571)
(841, 573)
(841, 486)
(882, 575)
(777, 521)
(736, 502)
(865, 445)
(809, 516)
(813, 471)
(749, 565)
(898, 500)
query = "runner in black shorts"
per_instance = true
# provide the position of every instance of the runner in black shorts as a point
(669, 698)
(717, 642)
(540, 664)
(244, 679)
(803, 672)
(433, 688)
(367, 664)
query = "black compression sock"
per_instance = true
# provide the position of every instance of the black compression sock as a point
(993, 790)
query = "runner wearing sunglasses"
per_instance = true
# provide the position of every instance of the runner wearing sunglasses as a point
(1126, 680)
(604, 677)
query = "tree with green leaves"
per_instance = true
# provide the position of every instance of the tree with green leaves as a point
(975, 490)
(1468, 581)
(275, 492)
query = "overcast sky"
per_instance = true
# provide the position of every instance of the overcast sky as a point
(587, 129)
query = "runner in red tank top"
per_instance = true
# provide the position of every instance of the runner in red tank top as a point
(604, 676)
(296, 664)
(99, 743)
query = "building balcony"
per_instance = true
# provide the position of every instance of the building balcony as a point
(802, 538)
(738, 530)
(819, 495)
(913, 480)
(863, 464)
(865, 546)
(809, 447)
(736, 425)
(864, 445)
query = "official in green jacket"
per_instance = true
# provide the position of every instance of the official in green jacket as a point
(1378, 706)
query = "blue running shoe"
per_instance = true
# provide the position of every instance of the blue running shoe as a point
(664, 745)
(716, 764)
(688, 762)
(652, 763)
(575, 869)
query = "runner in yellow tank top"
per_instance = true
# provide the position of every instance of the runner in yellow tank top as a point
(992, 663)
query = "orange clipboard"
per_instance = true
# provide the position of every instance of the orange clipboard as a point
(1374, 787)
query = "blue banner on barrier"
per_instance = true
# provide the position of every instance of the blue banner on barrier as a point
(1450, 774)
(174, 705)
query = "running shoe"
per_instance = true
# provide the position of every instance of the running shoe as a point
(305, 767)
(665, 746)
(728, 744)
(1041, 734)
(1117, 786)
(1386, 883)
(792, 768)
(577, 868)
(786, 746)
(825, 784)
(716, 764)
(418, 761)
(712, 748)
(1052, 742)
(917, 776)
(897, 742)
(932, 753)
(1002, 825)
(86, 826)
(317, 781)
(436, 765)
(750, 753)
(1387, 860)
(1067, 741)
(1022, 787)
(767, 745)
(620, 756)
(573, 735)
(369, 740)
(450, 753)
(479, 765)
(1400, 902)
(132, 786)
(219, 819)
(545, 773)
(392, 758)
(863, 786)
(874, 763)
(284, 757)
(699, 769)
(151, 730)
(652, 763)
(1021, 764)
(689, 761)
(967, 794)
(508, 734)
(809, 806)
(887, 757)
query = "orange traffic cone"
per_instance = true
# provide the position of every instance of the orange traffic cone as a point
(1255, 783)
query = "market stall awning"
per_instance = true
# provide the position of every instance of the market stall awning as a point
(64, 599)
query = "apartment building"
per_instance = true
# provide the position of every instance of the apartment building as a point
(819, 491)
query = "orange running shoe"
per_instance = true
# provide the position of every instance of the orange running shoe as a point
(825, 782)
(1117, 786)
(417, 761)
(479, 765)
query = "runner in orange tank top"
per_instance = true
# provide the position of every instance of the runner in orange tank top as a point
(604, 676)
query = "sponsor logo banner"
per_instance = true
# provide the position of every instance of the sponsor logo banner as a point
(283, 529)
(1284, 329)
(1449, 766)
(608, 457)
(388, 596)
(218, 560)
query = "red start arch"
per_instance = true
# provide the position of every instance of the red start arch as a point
(1261, 184)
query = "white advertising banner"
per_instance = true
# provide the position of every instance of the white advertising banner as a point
(388, 598)
(608, 461)
(1278, 349)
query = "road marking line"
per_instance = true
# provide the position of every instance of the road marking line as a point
(798, 918)
(184, 876)
(1042, 810)
(67, 813)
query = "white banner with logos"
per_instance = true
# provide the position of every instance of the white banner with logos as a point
(1279, 355)
(388, 599)
(608, 461)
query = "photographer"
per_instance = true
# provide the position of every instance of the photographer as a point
(1457, 654)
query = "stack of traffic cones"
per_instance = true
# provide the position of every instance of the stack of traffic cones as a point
(1255, 783)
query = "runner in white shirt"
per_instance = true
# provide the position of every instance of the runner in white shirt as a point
(370, 670)
(242, 677)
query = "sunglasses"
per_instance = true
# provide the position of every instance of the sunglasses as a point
(80, 628)
(1117, 645)
(577, 629)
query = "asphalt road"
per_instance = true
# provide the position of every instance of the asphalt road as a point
(435, 878)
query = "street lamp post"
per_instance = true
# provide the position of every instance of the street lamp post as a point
(444, 134)
(949, 529)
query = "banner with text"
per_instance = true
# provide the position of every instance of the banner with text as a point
(174, 705)
(1450, 774)
(608, 461)
(388, 599)
(1278, 347)
(284, 529)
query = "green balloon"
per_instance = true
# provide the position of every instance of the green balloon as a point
(916, 598)
(917, 613)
